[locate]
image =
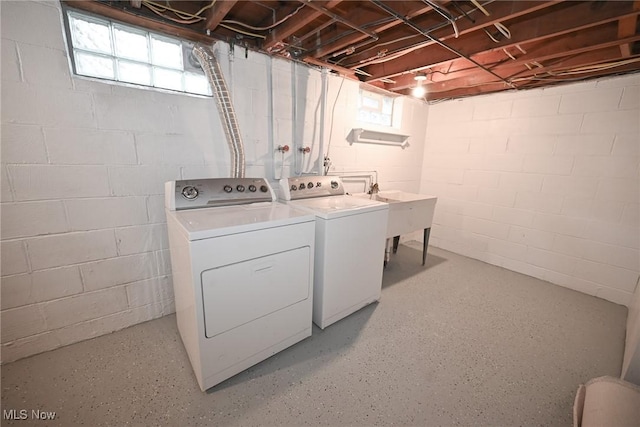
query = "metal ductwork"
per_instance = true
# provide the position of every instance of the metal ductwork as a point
(212, 70)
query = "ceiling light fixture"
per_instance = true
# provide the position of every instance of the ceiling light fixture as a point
(419, 91)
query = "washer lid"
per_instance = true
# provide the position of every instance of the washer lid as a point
(338, 206)
(205, 223)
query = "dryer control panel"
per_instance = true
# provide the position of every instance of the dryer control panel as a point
(210, 192)
(304, 187)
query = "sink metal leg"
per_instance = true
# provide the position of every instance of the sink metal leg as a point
(425, 244)
(387, 251)
(396, 241)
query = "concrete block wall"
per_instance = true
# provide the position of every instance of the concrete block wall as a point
(544, 182)
(83, 240)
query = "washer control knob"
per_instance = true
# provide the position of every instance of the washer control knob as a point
(264, 188)
(310, 185)
(227, 189)
(240, 188)
(334, 184)
(252, 188)
(293, 187)
(318, 184)
(301, 186)
(189, 192)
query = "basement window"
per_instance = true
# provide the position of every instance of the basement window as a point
(375, 108)
(108, 50)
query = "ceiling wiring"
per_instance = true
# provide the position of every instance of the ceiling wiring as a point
(268, 27)
(182, 16)
(246, 33)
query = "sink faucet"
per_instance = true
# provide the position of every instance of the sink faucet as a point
(373, 190)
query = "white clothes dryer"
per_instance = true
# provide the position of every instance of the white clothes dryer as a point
(350, 244)
(242, 273)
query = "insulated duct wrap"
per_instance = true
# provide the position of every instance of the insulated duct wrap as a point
(212, 70)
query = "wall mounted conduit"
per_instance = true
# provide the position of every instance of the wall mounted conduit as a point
(212, 70)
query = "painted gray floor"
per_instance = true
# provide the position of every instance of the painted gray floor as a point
(455, 343)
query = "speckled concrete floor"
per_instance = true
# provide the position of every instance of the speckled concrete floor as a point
(458, 343)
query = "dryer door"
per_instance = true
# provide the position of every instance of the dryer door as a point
(236, 294)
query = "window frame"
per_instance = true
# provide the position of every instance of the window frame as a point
(364, 92)
(115, 58)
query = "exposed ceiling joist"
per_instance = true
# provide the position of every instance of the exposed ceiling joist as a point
(465, 47)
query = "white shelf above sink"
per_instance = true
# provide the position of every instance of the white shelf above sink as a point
(368, 136)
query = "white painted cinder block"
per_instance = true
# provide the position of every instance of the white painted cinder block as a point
(89, 146)
(521, 181)
(150, 291)
(513, 216)
(626, 144)
(557, 165)
(23, 144)
(538, 202)
(10, 66)
(56, 283)
(142, 238)
(607, 275)
(110, 323)
(86, 306)
(532, 144)
(14, 257)
(155, 209)
(118, 271)
(130, 113)
(63, 108)
(20, 17)
(630, 98)
(615, 234)
(163, 261)
(552, 260)
(611, 121)
(618, 189)
(531, 237)
(576, 186)
(154, 149)
(536, 106)
(20, 103)
(584, 145)
(55, 73)
(6, 195)
(94, 214)
(21, 322)
(16, 291)
(559, 224)
(32, 219)
(70, 248)
(497, 197)
(141, 180)
(610, 166)
(42, 182)
(582, 102)
(481, 178)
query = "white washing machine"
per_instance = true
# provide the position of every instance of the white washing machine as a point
(350, 244)
(242, 273)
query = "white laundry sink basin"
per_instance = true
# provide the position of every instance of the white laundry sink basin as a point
(408, 212)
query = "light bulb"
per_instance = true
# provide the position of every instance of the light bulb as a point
(418, 91)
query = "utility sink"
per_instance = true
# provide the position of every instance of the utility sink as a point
(408, 212)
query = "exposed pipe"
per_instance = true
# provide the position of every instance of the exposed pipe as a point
(436, 40)
(340, 19)
(212, 70)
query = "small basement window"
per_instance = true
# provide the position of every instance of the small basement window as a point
(108, 50)
(375, 108)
